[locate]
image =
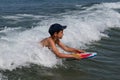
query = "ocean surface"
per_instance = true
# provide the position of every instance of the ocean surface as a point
(92, 25)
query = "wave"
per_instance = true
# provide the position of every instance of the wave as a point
(22, 17)
(21, 48)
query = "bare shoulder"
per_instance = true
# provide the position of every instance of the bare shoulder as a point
(45, 42)
(49, 42)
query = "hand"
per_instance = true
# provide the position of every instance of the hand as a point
(76, 56)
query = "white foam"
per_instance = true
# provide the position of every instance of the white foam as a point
(21, 17)
(112, 5)
(22, 48)
(88, 26)
(2, 77)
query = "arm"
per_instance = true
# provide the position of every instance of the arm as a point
(69, 49)
(61, 55)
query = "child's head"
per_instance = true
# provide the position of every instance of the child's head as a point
(56, 28)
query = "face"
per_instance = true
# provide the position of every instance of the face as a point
(60, 34)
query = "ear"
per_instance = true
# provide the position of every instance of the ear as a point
(55, 34)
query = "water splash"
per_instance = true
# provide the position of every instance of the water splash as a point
(21, 48)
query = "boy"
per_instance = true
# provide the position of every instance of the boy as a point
(56, 33)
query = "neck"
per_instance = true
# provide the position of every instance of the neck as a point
(54, 39)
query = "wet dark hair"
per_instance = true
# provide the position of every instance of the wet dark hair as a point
(56, 28)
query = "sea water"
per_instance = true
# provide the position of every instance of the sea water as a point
(91, 25)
